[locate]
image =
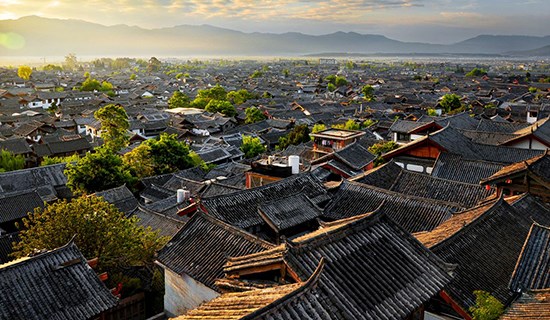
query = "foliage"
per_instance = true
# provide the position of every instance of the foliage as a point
(368, 92)
(253, 115)
(380, 148)
(10, 161)
(489, 106)
(532, 89)
(286, 73)
(133, 76)
(223, 107)
(114, 126)
(318, 127)
(476, 72)
(178, 100)
(52, 67)
(331, 87)
(53, 108)
(199, 103)
(487, 307)
(252, 147)
(24, 72)
(217, 92)
(140, 162)
(71, 62)
(256, 74)
(90, 84)
(331, 79)
(350, 65)
(340, 81)
(55, 160)
(99, 230)
(349, 125)
(450, 102)
(169, 154)
(153, 65)
(239, 97)
(368, 123)
(431, 112)
(300, 134)
(98, 171)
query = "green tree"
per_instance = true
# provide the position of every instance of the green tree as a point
(153, 65)
(340, 81)
(24, 72)
(252, 147)
(98, 171)
(86, 74)
(331, 87)
(239, 97)
(90, 84)
(318, 127)
(169, 154)
(178, 100)
(380, 148)
(431, 112)
(10, 161)
(300, 134)
(532, 89)
(99, 230)
(368, 92)
(331, 79)
(223, 107)
(253, 115)
(71, 63)
(256, 74)
(487, 307)
(52, 67)
(114, 126)
(140, 161)
(53, 108)
(450, 102)
(55, 160)
(476, 72)
(133, 76)
(217, 92)
(368, 123)
(286, 73)
(349, 125)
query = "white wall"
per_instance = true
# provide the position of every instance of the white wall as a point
(524, 144)
(183, 293)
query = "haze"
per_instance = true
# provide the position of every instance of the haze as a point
(432, 21)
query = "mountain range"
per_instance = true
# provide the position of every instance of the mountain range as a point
(56, 37)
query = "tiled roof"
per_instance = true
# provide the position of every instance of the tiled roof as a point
(241, 208)
(57, 284)
(531, 305)
(455, 167)
(490, 243)
(19, 206)
(201, 247)
(412, 213)
(533, 267)
(6, 246)
(288, 212)
(355, 156)
(539, 165)
(121, 197)
(373, 269)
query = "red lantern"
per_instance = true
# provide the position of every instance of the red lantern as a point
(487, 187)
(508, 181)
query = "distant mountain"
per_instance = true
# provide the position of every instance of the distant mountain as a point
(539, 52)
(55, 37)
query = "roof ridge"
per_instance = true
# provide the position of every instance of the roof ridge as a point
(27, 259)
(310, 283)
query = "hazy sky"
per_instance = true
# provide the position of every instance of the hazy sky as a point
(436, 21)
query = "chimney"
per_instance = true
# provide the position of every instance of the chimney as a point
(294, 163)
(183, 195)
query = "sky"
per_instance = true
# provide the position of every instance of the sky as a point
(433, 21)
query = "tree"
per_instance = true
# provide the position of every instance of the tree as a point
(223, 107)
(153, 65)
(114, 126)
(53, 108)
(368, 92)
(380, 148)
(476, 72)
(55, 160)
(140, 161)
(349, 125)
(431, 112)
(252, 147)
(99, 230)
(300, 134)
(90, 84)
(10, 161)
(450, 102)
(24, 72)
(52, 67)
(178, 100)
(217, 92)
(98, 171)
(239, 97)
(318, 127)
(331, 87)
(340, 81)
(487, 307)
(169, 154)
(71, 62)
(253, 115)
(368, 123)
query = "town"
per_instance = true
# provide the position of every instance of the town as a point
(280, 188)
